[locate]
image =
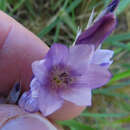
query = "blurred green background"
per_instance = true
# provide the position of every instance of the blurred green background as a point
(58, 21)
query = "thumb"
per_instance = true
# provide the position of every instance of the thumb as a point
(13, 118)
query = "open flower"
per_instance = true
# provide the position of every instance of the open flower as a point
(72, 73)
(65, 74)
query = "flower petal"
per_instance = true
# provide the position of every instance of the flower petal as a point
(80, 56)
(29, 103)
(99, 31)
(29, 100)
(102, 56)
(49, 101)
(58, 53)
(77, 95)
(96, 76)
(40, 69)
(35, 86)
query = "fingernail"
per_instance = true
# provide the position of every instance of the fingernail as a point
(28, 122)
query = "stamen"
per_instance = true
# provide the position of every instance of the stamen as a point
(60, 79)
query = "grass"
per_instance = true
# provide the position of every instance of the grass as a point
(58, 21)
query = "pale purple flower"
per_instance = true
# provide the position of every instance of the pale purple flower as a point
(65, 74)
(70, 74)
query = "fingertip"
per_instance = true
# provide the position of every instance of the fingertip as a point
(67, 112)
(13, 118)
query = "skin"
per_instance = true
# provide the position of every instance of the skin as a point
(18, 49)
(13, 118)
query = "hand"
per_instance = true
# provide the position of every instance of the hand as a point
(18, 49)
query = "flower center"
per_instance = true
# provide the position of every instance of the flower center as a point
(60, 78)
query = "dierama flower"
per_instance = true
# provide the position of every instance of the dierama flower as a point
(64, 74)
(70, 74)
